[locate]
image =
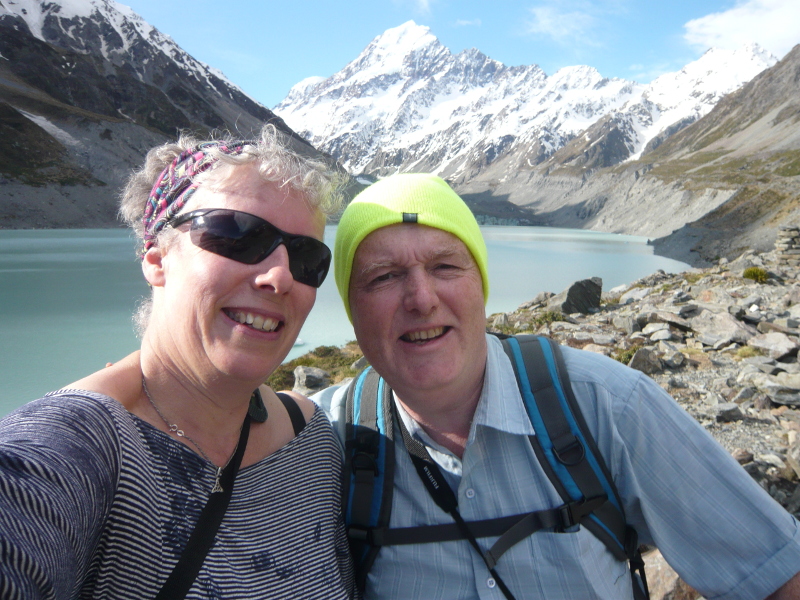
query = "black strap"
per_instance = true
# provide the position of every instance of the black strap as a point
(295, 414)
(446, 499)
(202, 538)
(510, 530)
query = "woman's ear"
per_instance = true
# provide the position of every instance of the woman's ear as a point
(153, 268)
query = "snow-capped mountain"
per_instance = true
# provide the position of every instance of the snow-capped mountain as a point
(109, 60)
(407, 103)
(86, 88)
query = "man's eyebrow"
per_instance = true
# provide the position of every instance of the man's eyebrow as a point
(440, 254)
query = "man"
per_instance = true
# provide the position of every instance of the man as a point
(411, 267)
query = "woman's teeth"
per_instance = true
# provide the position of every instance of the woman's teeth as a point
(254, 321)
(419, 336)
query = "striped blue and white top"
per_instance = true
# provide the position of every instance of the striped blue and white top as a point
(96, 503)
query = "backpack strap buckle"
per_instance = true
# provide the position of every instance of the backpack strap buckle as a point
(573, 512)
(360, 534)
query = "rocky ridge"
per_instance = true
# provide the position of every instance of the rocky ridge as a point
(723, 345)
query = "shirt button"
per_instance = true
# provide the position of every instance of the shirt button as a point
(491, 582)
(470, 493)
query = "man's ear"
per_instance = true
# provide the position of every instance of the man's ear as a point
(153, 268)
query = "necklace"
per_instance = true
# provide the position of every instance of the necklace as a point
(173, 428)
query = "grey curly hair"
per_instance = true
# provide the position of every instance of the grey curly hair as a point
(279, 158)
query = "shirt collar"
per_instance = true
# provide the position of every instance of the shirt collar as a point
(500, 405)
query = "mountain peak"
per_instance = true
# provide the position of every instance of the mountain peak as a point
(404, 38)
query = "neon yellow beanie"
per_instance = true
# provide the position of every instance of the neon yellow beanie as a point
(405, 198)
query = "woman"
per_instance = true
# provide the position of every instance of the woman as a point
(103, 483)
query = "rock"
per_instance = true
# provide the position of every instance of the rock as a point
(361, 363)
(635, 295)
(787, 323)
(742, 456)
(662, 335)
(674, 359)
(310, 380)
(744, 394)
(664, 582)
(673, 320)
(772, 459)
(777, 345)
(500, 320)
(729, 412)
(793, 458)
(602, 339)
(581, 297)
(646, 361)
(780, 392)
(712, 328)
(651, 328)
(598, 349)
(627, 324)
(767, 327)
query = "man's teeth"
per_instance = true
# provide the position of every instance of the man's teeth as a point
(254, 321)
(428, 334)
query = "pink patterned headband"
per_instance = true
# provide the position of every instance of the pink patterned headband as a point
(175, 185)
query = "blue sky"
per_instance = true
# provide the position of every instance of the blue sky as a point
(266, 46)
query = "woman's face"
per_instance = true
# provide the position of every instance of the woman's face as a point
(202, 298)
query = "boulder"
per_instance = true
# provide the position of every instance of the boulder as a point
(627, 324)
(635, 295)
(663, 316)
(581, 297)
(310, 380)
(781, 389)
(598, 349)
(729, 412)
(712, 328)
(500, 320)
(360, 364)
(651, 328)
(776, 344)
(646, 361)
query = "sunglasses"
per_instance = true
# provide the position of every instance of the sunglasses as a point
(249, 239)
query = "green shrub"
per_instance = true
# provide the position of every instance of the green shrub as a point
(547, 317)
(749, 352)
(336, 361)
(757, 274)
(625, 356)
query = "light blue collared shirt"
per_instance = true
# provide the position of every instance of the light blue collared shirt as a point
(680, 490)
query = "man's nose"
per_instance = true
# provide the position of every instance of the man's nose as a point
(420, 294)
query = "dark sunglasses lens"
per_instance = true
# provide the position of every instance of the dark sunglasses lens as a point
(248, 239)
(239, 236)
(309, 260)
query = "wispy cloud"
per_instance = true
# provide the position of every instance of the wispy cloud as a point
(572, 22)
(465, 23)
(773, 24)
(563, 26)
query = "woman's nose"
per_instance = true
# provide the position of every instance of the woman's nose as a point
(273, 272)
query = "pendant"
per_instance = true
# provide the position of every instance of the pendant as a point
(217, 487)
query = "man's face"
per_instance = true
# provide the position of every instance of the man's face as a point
(416, 298)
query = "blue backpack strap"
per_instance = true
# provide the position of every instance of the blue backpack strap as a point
(566, 449)
(369, 466)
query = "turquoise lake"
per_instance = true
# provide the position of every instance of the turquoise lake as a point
(66, 296)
